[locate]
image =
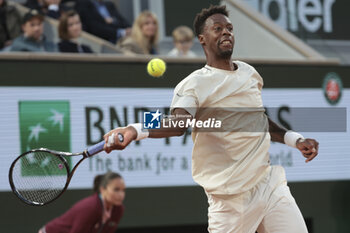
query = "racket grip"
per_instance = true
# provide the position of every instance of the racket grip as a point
(95, 148)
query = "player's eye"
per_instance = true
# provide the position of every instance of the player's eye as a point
(217, 28)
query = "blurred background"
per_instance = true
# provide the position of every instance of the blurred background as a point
(300, 48)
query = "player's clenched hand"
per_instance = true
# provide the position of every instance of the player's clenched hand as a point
(308, 147)
(129, 134)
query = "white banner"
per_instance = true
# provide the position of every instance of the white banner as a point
(161, 162)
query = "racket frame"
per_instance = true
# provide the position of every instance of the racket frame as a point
(59, 155)
(89, 152)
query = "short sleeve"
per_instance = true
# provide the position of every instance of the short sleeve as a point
(185, 97)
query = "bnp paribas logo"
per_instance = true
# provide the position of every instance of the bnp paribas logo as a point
(44, 124)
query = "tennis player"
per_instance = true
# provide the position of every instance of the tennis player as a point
(245, 193)
(100, 212)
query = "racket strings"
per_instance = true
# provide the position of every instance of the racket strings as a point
(39, 177)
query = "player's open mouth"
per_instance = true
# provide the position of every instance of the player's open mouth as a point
(226, 43)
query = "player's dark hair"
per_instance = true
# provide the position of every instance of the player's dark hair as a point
(201, 17)
(104, 179)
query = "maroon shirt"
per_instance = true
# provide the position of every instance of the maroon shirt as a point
(86, 217)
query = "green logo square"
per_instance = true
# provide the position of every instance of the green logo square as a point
(43, 124)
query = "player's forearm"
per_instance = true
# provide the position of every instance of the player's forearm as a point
(165, 133)
(170, 127)
(174, 126)
(277, 132)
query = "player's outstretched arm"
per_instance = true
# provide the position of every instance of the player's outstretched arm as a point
(179, 114)
(134, 132)
(307, 146)
(276, 131)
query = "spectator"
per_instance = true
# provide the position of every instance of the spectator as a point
(51, 8)
(10, 23)
(32, 39)
(144, 35)
(100, 212)
(101, 18)
(183, 41)
(69, 31)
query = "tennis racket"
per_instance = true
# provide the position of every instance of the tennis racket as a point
(39, 176)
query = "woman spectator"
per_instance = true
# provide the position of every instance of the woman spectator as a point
(144, 35)
(100, 212)
(69, 30)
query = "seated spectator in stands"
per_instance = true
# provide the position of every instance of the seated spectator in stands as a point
(144, 35)
(183, 41)
(10, 23)
(32, 39)
(101, 18)
(51, 8)
(69, 31)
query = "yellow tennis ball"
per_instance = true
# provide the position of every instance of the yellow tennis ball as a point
(156, 67)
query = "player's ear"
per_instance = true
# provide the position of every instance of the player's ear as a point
(201, 39)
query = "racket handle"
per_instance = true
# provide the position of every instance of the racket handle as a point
(97, 148)
(92, 150)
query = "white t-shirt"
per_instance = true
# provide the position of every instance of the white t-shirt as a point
(236, 158)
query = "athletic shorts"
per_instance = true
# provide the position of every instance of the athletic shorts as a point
(267, 208)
